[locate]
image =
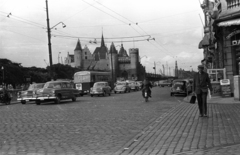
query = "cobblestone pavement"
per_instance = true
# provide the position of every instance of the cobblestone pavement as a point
(98, 125)
(182, 132)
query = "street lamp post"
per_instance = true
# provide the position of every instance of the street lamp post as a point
(49, 39)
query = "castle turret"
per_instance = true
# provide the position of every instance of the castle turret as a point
(78, 55)
(113, 59)
(134, 56)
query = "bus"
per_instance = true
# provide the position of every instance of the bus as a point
(84, 80)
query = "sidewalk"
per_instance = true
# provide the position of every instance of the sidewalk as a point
(182, 132)
(216, 99)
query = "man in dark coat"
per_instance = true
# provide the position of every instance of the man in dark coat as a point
(201, 84)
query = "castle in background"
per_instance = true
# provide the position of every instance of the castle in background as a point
(124, 65)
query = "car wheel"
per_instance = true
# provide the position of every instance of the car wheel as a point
(58, 99)
(115, 92)
(91, 95)
(74, 98)
(23, 102)
(104, 93)
(38, 102)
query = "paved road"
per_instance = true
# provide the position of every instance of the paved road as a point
(98, 125)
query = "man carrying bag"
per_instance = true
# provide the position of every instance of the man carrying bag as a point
(201, 84)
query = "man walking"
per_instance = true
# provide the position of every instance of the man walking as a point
(201, 84)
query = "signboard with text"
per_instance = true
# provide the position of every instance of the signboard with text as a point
(225, 88)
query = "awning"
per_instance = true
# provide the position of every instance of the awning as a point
(229, 22)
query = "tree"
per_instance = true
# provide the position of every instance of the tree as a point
(61, 71)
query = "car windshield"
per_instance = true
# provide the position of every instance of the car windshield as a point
(52, 85)
(35, 86)
(179, 83)
(98, 84)
(121, 83)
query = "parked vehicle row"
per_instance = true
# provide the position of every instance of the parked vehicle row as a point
(50, 91)
(63, 90)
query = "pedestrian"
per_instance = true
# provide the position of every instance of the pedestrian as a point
(201, 84)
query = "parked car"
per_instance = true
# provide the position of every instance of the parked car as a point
(164, 83)
(181, 86)
(100, 88)
(56, 91)
(139, 84)
(27, 95)
(122, 87)
(133, 85)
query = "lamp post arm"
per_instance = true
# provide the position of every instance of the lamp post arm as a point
(57, 24)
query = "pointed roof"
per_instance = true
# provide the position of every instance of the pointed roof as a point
(78, 46)
(122, 52)
(112, 48)
(102, 42)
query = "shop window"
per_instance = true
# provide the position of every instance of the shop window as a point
(233, 4)
(216, 75)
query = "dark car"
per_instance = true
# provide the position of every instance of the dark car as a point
(100, 88)
(56, 91)
(164, 83)
(27, 95)
(181, 86)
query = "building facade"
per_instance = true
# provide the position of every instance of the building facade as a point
(123, 65)
(224, 42)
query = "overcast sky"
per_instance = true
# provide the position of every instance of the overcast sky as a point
(175, 25)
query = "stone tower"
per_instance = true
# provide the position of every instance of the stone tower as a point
(78, 55)
(134, 57)
(113, 62)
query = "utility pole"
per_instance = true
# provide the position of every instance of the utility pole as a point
(3, 75)
(49, 42)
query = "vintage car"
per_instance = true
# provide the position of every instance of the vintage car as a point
(133, 85)
(100, 88)
(139, 84)
(164, 83)
(24, 96)
(122, 87)
(56, 91)
(181, 86)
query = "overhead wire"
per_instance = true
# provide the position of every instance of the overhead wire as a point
(105, 12)
(24, 35)
(76, 13)
(124, 22)
(9, 15)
